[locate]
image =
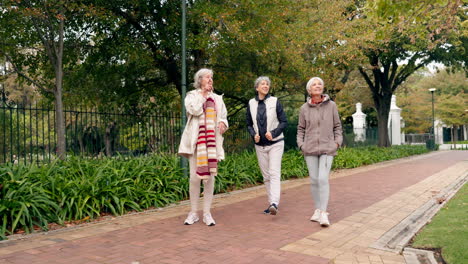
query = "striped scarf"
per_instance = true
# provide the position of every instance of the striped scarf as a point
(207, 162)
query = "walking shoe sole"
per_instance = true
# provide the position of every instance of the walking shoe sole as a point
(210, 221)
(325, 225)
(212, 224)
(187, 223)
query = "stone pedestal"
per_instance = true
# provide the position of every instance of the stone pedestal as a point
(439, 132)
(394, 123)
(403, 140)
(359, 124)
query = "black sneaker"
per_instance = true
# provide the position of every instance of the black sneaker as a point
(273, 209)
(267, 211)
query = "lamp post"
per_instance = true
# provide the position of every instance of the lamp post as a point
(432, 90)
(183, 77)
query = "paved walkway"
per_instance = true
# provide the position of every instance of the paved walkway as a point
(365, 203)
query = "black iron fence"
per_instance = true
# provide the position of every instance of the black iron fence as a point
(360, 137)
(28, 134)
(417, 138)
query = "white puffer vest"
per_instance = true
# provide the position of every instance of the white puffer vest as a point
(272, 118)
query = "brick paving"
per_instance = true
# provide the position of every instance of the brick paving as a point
(365, 202)
(351, 240)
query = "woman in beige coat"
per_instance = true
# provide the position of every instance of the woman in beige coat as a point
(202, 142)
(319, 135)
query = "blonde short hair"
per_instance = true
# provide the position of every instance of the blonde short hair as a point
(309, 83)
(200, 73)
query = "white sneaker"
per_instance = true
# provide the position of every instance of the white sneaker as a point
(324, 219)
(192, 218)
(208, 220)
(316, 216)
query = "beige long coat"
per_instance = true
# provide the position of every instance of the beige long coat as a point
(194, 106)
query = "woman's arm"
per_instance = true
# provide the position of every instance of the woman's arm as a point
(301, 125)
(249, 121)
(194, 103)
(223, 117)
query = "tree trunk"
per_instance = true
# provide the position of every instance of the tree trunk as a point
(107, 140)
(60, 124)
(61, 143)
(454, 140)
(455, 133)
(382, 123)
(387, 76)
(80, 141)
(382, 102)
(382, 96)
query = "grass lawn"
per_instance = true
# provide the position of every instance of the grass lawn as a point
(448, 230)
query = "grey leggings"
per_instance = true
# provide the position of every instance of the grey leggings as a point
(319, 170)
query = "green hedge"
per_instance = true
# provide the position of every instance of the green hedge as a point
(355, 157)
(32, 196)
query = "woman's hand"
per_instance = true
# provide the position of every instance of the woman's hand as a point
(269, 136)
(221, 127)
(257, 138)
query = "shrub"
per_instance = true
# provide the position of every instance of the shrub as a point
(79, 188)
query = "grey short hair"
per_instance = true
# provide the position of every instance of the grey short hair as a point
(309, 83)
(200, 73)
(261, 79)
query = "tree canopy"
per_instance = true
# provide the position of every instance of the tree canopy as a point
(395, 39)
(39, 39)
(127, 54)
(450, 100)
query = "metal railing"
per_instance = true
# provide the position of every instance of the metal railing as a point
(368, 136)
(28, 134)
(417, 138)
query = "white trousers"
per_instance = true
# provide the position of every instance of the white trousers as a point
(269, 160)
(208, 188)
(319, 171)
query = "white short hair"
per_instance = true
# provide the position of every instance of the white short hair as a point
(261, 79)
(200, 73)
(309, 83)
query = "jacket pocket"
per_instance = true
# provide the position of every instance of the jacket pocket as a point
(331, 147)
(304, 143)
